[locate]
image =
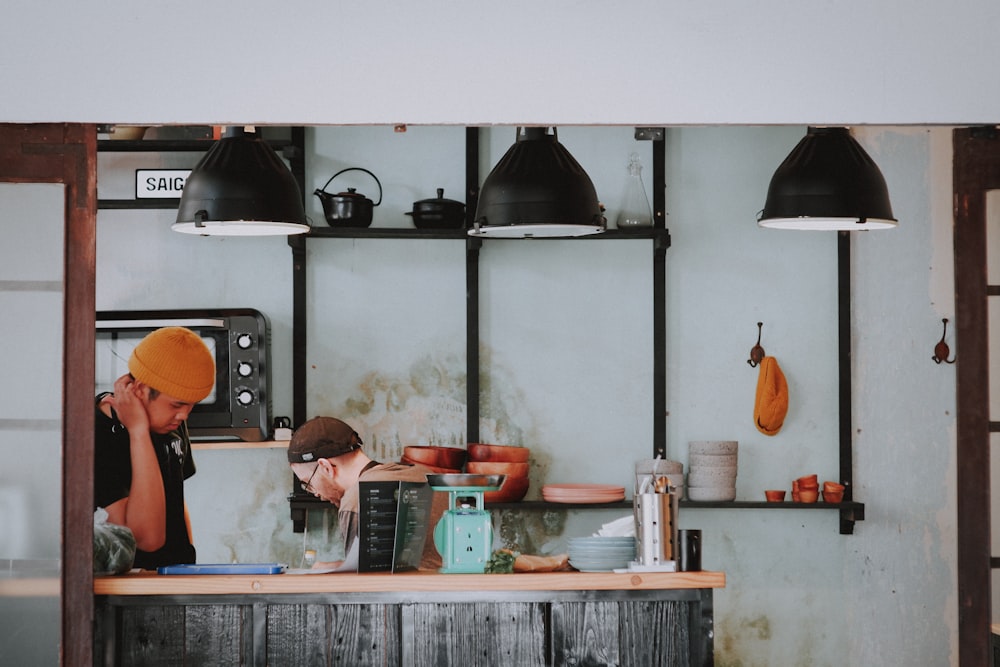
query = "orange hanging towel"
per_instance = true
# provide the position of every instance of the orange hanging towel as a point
(771, 404)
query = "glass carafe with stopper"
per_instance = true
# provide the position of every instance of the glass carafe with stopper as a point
(635, 211)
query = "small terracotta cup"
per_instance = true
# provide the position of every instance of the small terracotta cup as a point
(808, 495)
(808, 482)
(833, 496)
(774, 495)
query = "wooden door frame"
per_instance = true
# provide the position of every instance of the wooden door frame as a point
(67, 154)
(976, 169)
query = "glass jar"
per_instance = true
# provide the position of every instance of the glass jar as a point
(635, 211)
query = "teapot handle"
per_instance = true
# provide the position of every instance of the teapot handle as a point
(377, 182)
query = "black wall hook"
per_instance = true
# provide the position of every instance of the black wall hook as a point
(756, 352)
(941, 350)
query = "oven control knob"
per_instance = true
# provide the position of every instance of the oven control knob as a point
(244, 369)
(244, 396)
(244, 341)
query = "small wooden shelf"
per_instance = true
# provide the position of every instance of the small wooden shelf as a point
(240, 444)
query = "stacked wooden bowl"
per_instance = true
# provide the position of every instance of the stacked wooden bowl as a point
(438, 459)
(505, 460)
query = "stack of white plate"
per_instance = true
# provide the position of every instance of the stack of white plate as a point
(601, 554)
(583, 494)
(712, 470)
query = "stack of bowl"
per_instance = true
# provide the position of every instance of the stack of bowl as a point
(712, 470)
(505, 460)
(439, 459)
(833, 492)
(805, 489)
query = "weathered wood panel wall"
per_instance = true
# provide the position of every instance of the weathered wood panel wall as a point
(526, 633)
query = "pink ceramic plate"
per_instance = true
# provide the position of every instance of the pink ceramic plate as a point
(571, 488)
(583, 497)
(584, 501)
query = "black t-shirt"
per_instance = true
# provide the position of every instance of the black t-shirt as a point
(113, 478)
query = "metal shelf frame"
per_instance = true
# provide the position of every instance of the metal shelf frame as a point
(850, 511)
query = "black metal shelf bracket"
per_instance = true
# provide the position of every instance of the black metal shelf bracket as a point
(847, 518)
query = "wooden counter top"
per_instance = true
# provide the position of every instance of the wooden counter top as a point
(150, 583)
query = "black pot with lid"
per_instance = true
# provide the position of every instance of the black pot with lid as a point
(350, 208)
(438, 213)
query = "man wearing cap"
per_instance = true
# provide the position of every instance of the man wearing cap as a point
(142, 453)
(325, 454)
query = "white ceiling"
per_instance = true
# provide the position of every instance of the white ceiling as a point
(566, 62)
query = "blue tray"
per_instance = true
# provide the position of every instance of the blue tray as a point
(223, 568)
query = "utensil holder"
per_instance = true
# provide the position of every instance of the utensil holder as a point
(655, 527)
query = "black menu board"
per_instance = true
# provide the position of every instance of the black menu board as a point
(393, 522)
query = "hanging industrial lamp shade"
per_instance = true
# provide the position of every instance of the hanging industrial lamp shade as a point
(536, 190)
(241, 188)
(827, 182)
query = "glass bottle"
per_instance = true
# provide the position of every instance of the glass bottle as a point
(635, 211)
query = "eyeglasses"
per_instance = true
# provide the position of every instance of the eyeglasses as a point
(307, 485)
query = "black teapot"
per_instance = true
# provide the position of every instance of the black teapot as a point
(351, 208)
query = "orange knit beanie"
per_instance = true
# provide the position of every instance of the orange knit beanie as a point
(175, 361)
(771, 404)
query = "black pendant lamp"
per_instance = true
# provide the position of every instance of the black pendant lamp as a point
(827, 182)
(241, 188)
(536, 190)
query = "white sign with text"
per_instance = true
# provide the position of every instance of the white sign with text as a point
(160, 183)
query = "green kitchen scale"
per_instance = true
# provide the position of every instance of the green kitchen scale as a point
(464, 534)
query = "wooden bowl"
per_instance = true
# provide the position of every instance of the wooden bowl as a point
(514, 469)
(512, 490)
(497, 453)
(442, 457)
(430, 468)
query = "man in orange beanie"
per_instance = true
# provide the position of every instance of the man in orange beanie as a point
(142, 452)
